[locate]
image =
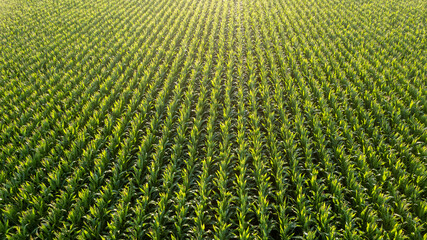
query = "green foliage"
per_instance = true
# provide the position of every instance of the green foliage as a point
(252, 119)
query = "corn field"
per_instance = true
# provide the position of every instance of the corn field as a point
(213, 119)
